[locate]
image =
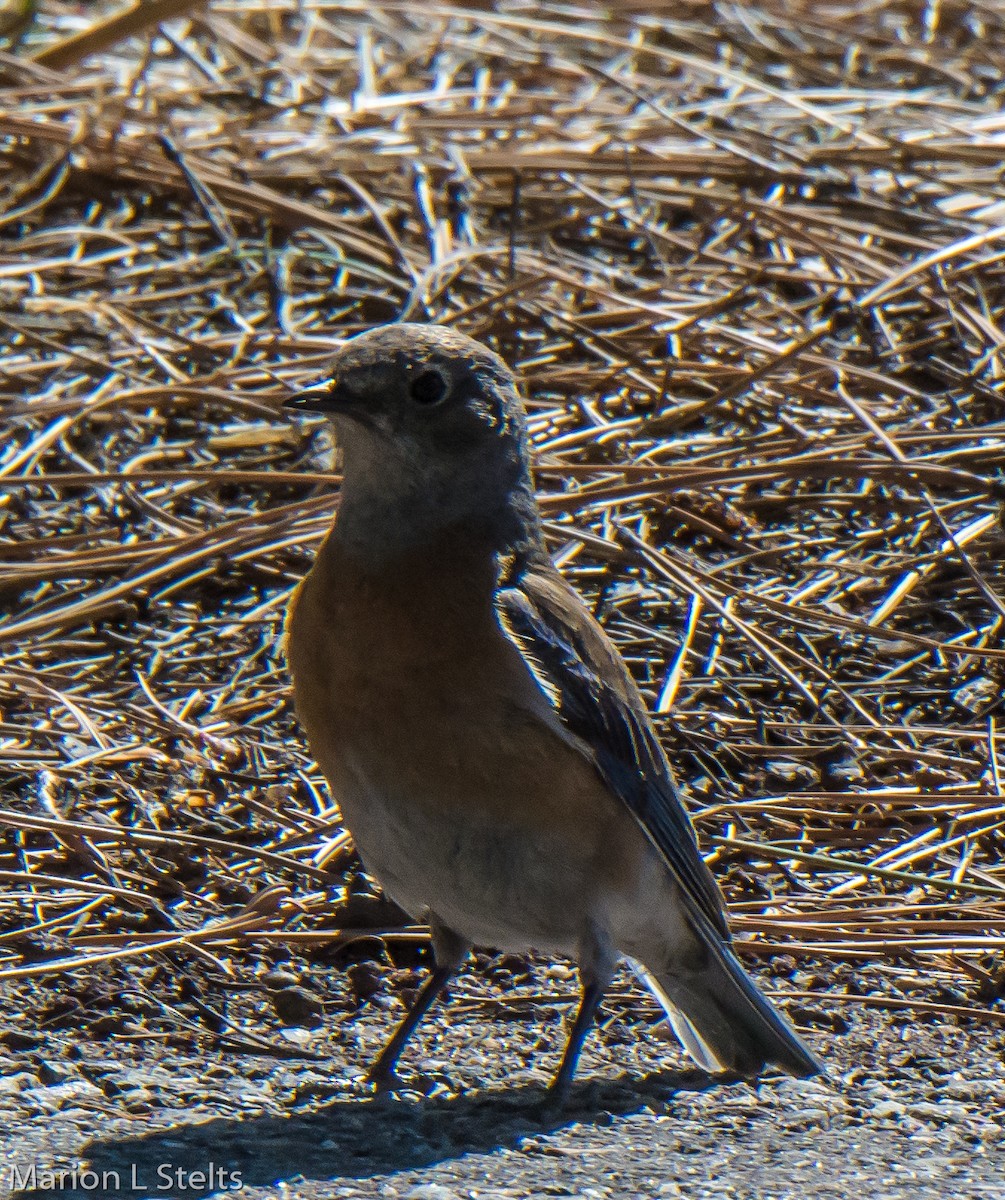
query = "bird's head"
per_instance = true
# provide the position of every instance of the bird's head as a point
(432, 433)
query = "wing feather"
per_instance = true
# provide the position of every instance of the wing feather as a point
(596, 699)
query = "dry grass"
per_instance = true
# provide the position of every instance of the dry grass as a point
(748, 258)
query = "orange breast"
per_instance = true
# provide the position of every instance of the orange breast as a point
(462, 790)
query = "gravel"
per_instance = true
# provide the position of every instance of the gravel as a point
(911, 1108)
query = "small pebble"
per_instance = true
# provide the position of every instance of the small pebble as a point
(297, 1006)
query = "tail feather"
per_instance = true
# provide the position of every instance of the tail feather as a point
(686, 1033)
(724, 1022)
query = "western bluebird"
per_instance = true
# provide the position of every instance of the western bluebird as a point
(490, 752)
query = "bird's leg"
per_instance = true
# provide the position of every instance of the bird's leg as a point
(382, 1074)
(597, 964)
(449, 951)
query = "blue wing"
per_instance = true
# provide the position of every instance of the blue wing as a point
(596, 699)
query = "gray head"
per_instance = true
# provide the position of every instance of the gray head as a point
(433, 439)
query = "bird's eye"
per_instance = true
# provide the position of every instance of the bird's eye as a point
(428, 387)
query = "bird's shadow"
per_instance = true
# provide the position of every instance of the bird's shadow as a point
(344, 1140)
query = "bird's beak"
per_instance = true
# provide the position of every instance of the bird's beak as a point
(325, 397)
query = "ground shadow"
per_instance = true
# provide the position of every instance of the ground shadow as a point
(342, 1141)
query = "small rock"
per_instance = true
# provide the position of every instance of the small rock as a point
(17, 1039)
(104, 1026)
(296, 1006)
(296, 1034)
(804, 1118)
(817, 1018)
(133, 1077)
(792, 772)
(560, 972)
(431, 1191)
(945, 1111)
(16, 1083)
(278, 978)
(137, 1100)
(365, 980)
(843, 772)
(885, 1109)
(978, 696)
(819, 1101)
(60, 1095)
(50, 1074)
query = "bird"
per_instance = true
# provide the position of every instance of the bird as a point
(489, 751)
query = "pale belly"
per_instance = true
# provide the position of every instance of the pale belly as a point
(496, 878)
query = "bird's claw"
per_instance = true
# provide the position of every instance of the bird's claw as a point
(383, 1080)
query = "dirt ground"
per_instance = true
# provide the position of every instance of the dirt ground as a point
(913, 1106)
(747, 261)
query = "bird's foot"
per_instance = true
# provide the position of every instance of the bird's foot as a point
(383, 1079)
(386, 1081)
(553, 1104)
